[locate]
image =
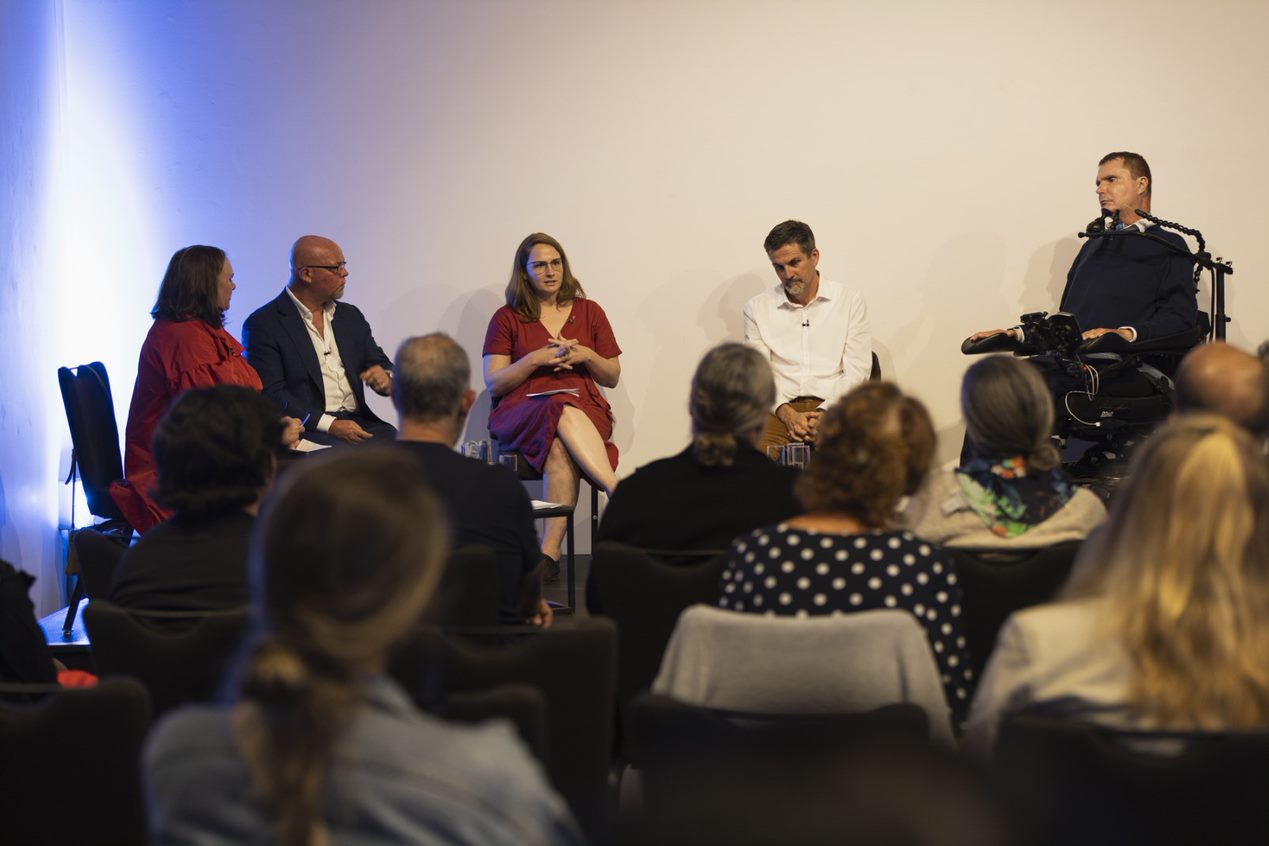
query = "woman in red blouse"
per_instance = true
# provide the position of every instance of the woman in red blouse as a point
(187, 347)
(546, 353)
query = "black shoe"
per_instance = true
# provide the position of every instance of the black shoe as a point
(550, 569)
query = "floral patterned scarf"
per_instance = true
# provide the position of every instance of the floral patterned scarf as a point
(1008, 498)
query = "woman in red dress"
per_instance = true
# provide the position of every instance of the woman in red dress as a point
(187, 347)
(546, 353)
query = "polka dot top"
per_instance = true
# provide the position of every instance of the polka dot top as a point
(777, 570)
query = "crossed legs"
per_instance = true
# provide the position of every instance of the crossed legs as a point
(577, 449)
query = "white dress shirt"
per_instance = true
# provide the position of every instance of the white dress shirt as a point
(822, 349)
(339, 394)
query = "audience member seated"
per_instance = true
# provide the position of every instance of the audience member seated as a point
(1011, 493)
(546, 354)
(721, 485)
(24, 654)
(320, 746)
(873, 447)
(215, 454)
(187, 347)
(1227, 381)
(1165, 623)
(487, 504)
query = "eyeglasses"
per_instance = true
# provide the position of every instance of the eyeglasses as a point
(333, 268)
(539, 266)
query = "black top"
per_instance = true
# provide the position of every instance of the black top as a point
(24, 656)
(800, 572)
(1132, 280)
(488, 507)
(187, 564)
(675, 503)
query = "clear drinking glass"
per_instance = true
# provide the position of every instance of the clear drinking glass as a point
(796, 455)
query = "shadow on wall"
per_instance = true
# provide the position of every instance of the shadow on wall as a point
(1046, 274)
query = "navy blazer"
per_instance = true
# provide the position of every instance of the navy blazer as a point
(280, 349)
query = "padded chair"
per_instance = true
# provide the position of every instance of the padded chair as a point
(644, 597)
(98, 556)
(995, 586)
(176, 667)
(95, 457)
(573, 664)
(815, 665)
(1076, 783)
(713, 776)
(470, 592)
(72, 765)
(524, 705)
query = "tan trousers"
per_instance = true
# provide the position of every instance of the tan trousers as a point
(776, 434)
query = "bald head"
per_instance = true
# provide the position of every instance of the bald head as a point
(431, 378)
(318, 272)
(1226, 380)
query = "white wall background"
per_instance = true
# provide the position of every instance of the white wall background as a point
(943, 152)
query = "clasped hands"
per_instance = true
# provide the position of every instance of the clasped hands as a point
(801, 424)
(563, 353)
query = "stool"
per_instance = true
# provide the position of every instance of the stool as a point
(526, 472)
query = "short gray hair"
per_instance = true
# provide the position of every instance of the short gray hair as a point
(430, 376)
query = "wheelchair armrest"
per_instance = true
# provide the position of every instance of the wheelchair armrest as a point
(1000, 342)
(1111, 342)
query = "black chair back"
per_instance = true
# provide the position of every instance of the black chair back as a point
(98, 556)
(995, 587)
(524, 705)
(72, 765)
(1076, 783)
(644, 597)
(470, 592)
(712, 776)
(175, 667)
(572, 664)
(90, 413)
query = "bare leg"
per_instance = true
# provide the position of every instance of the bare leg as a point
(559, 481)
(586, 447)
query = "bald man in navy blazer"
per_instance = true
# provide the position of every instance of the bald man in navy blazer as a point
(315, 357)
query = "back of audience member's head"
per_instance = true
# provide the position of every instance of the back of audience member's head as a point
(872, 448)
(1008, 411)
(732, 394)
(1223, 379)
(215, 450)
(429, 378)
(1183, 563)
(346, 555)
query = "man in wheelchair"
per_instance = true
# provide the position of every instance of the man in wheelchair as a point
(1128, 315)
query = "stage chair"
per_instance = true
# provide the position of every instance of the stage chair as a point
(95, 456)
(98, 556)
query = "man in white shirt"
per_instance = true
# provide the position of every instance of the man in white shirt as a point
(314, 357)
(814, 331)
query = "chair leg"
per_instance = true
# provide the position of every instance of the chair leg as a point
(73, 608)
